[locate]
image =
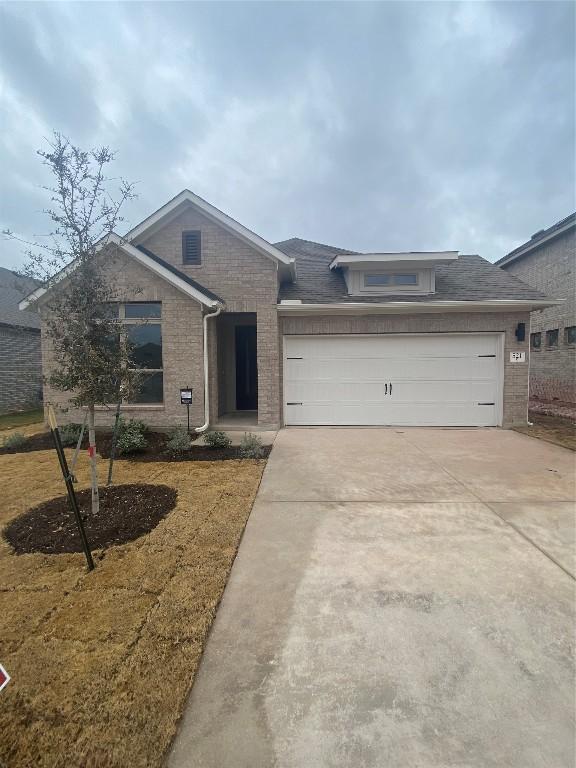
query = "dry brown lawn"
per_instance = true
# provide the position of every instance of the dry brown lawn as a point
(552, 429)
(101, 662)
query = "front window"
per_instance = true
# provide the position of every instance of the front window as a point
(143, 333)
(552, 338)
(536, 340)
(570, 334)
(142, 309)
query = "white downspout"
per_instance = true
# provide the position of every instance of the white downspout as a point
(204, 426)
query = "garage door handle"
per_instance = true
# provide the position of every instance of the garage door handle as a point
(390, 387)
(385, 389)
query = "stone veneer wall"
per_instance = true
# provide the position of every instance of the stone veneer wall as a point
(552, 269)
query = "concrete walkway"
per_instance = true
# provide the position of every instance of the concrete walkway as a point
(401, 598)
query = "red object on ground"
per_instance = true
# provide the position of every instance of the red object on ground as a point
(4, 677)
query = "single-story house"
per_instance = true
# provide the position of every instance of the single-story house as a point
(299, 333)
(547, 262)
(20, 355)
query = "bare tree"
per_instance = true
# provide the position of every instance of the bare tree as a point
(92, 358)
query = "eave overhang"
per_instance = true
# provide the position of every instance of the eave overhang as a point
(417, 307)
(384, 260)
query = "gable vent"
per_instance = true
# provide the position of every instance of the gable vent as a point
(191, 247)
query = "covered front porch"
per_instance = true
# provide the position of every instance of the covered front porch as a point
(235, 402)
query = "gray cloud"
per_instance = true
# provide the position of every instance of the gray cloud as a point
(368, 125)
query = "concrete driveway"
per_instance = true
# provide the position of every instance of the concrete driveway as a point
(400, 598)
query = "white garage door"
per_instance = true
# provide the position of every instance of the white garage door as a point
(428, 379)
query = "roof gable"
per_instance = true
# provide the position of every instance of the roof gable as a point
(172, 208)
(149, 260)
(538, 239)
(13, 288)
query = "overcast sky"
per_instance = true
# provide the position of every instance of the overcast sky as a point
(377, 127)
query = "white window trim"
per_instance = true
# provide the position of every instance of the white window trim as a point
(355, 280)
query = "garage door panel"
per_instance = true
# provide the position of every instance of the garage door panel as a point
(373, 392)
(441, 380)
(386, 369)
(409, 414)
(400, 345)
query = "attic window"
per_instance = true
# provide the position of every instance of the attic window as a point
(410, 279)
(191, 247)
(377, 281)
(370, 280)
(373, 280)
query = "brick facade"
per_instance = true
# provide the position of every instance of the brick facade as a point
(20, 368)
(182, 349)
(515, 405)
(247, 281)
(551, 267)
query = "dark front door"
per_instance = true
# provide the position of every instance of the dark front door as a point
(246, 368)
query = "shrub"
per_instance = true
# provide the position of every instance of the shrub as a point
(69, 434)
(217, 440)
(178, 442)
(130, 437)
(15, 441)
(251, 447)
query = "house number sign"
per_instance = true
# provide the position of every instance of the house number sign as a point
(186, 396)
(517, 357)
(186, 399)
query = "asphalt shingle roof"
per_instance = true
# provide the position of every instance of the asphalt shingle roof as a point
(14, 288)
(537, 239)
(181, 275)
(470, 278)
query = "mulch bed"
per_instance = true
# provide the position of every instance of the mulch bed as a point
(155, 449)
(126, 513)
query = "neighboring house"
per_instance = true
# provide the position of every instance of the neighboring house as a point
(300, 333)
(20, 355)
(548, 262)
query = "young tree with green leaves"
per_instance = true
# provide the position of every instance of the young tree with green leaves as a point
(92, 358)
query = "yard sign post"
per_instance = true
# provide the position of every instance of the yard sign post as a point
(69, 486)
(78, 446)
(113, 444)
(186, 399)
(4, 677)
